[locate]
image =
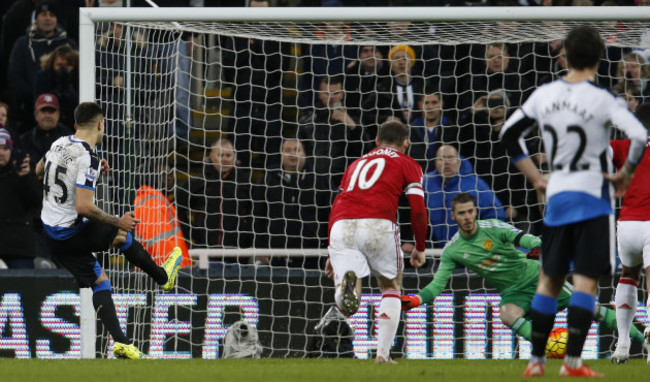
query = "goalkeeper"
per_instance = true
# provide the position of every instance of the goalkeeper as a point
(488, 247)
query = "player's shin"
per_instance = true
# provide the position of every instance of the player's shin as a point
(626, 301)
(542, 314)
(579, 318)
(138, 256)
(390, 309)
(105, 308)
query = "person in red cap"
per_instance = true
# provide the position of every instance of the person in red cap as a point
(38, 140)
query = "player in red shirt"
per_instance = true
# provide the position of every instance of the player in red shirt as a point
(363, 233)
(633, 238)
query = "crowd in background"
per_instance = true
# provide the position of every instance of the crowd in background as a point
(269, 182)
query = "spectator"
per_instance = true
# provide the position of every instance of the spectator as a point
(633, 70)
(258, 66)
(327, 59)
(38, 140)
(405, 88)
(630, 93)
(42, 37)
(479, 136)
(496, 74)
(289, 210)
(19, 194)
(60, 76)
(4, 116)
(364, 78)
(159, 230)
(429, 130)
(330, 134)
(447, 180)
(216, 208)
(558, 66)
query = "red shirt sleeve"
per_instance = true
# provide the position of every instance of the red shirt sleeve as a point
(620, 148)
(418, 221)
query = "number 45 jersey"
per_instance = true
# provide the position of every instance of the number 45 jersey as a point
(575, 119)
(372, 185)
(69, 164)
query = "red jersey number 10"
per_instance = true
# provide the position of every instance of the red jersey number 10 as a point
(360, 174)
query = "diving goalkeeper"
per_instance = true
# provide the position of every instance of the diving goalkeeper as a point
(489, 248)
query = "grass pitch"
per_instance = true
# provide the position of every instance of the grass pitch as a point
(303, 370)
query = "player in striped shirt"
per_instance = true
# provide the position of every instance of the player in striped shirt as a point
(575, 117)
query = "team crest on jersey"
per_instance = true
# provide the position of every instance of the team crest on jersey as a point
(91, 174)
(488, 245)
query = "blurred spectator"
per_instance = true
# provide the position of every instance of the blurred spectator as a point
(174, 63)
(429, 130)
(42, 37)
(4, 117)
(331, 136)
(20, 192)
(258, 65)
(215, 209)
(38, 140)
(60, 76)
(447, 180)
(630, 93)
(289, 211)
(327, 59)
(159, 230)
(405, 88)
(633, 70)
(479, 137)
(558, 65)
(364, 78)
(495, 73)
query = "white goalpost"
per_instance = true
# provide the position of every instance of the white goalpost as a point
(175, 82)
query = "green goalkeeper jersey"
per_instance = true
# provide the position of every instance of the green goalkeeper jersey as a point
(492, 254)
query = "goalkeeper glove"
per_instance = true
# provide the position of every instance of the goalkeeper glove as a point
(410, 301)
(534, 253)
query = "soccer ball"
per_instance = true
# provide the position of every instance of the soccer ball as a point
(556, 344)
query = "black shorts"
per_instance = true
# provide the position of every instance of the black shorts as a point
(588, 244)
(76, 253)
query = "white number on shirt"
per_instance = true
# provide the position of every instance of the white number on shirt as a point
(360, 174)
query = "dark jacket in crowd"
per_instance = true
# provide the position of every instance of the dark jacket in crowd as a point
(19, 195)
(36, 142)
(217, 212)
(25, 62)
(289, 213)
(481, 145)
(64, 84)
(331, 144)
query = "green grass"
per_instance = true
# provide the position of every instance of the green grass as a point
(303, 370)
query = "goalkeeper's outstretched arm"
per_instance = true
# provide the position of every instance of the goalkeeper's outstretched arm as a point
(433, 289)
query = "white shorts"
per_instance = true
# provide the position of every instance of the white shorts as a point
(633, 239)
(362, 245)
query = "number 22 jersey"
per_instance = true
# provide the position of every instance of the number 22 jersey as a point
(372, 185)
(575, 119)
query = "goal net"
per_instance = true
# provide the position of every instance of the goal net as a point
(207, 114)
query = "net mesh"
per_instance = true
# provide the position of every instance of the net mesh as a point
(173, 93)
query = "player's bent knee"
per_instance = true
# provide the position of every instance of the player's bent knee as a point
(120, 238)
(103, 285)
(509, 313)
(633, 272)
